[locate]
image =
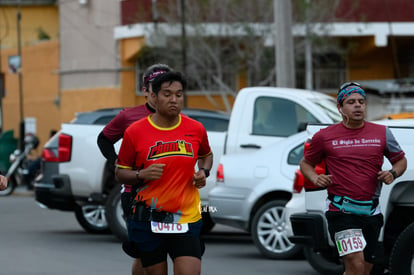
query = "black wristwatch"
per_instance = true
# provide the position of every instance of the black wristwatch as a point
(206, 172)
(394, 174)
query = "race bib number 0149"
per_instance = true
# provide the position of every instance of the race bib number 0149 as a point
(160, 227)
(350, 241)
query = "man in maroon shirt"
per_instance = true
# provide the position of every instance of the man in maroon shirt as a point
(353, 151)
(114, 131)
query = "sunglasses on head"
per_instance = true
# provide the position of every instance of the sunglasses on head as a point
(347, 84)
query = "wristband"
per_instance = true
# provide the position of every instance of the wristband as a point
(206, 172)
(137, 175)
(394, 174)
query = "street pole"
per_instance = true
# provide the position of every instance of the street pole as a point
(183, 45)
(285, 62)
(19, 53)
(2, 91)
(308, 50)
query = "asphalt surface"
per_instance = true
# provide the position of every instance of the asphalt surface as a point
(36, 241)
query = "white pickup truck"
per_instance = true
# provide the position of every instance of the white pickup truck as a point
(255, 173)
(74, 174)
(76, 177)
(307, 206)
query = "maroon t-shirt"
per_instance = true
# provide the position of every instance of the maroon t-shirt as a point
(115, 129)
(354, 157)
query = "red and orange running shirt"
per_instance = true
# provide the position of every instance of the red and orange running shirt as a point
(177, 147)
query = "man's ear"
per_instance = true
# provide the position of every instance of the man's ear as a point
(144, 90)
(152, 94)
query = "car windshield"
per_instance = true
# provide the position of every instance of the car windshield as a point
(328, 105)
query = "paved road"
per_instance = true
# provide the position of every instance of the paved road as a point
(36, 241)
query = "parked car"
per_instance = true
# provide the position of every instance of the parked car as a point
(262, 151)
(251, 192)
(74, 177)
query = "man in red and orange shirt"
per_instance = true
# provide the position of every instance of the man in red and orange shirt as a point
(167, 216)
(114, 131)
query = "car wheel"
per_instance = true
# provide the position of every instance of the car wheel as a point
(322, 263)
(115, 214)
(269, 231)
(402, 255)
(92, 218)
(11, 185)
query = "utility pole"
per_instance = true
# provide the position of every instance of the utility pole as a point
(2, 92)
(308, 49)
(285, 62)
(19, 53)
(183, 45)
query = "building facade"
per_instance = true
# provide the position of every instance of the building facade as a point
(35, 85)
(83, 55)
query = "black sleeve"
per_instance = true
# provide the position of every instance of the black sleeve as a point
(107, 148)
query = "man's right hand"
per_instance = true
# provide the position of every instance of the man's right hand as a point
(322, 180)
(152, 172)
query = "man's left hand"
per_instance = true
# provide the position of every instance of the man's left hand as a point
(385, 176)
(199, 179)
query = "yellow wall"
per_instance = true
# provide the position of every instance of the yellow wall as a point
(129, 49)
(366, 61)
(73, 101)
(39, 88)
(201, 101)
(39, 61)
(32, 18)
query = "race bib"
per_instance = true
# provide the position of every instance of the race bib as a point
(350, 241)
(161, 227)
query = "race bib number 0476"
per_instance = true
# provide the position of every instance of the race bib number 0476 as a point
(160, 227)
(350, 241)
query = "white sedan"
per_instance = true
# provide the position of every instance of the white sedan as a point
(252, 190)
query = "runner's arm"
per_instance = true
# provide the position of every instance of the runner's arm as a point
(308, 171)
(107, 148)
(400, 166)
(130, 176)
(204, 166)
(205, 162)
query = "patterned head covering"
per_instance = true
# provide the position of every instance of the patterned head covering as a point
(153, 75)
(349, 89)
(153, 71)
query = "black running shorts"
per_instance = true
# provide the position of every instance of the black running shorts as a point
(370, 226)
(154, 247)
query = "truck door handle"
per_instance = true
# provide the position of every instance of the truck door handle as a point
(255, 146)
